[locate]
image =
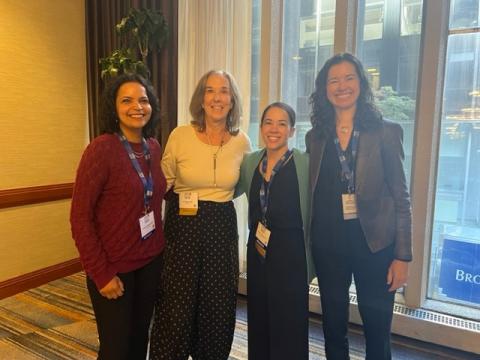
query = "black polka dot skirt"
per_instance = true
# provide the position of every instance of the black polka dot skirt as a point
(195, 309)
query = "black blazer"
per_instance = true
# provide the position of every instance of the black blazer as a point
(383, 202)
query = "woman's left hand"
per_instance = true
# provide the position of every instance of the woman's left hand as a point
(397, 274)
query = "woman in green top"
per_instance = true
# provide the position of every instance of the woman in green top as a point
(278, 261)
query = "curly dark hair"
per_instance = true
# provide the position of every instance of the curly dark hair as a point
(285, 107)
(196, 109)
(108, 112)
(323, 114)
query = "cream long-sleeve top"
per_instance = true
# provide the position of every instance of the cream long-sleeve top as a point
(188, 164)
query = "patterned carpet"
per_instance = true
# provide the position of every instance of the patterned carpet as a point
(55, 322)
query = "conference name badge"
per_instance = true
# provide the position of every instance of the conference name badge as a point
(188, 202)
(262, 239)
(147, 225)
(349, 204)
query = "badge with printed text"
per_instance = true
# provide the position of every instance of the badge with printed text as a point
(188, 202)
(349, 204)
(262, 239)
(147, 225)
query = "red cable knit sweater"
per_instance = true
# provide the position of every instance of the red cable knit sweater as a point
(106, 206)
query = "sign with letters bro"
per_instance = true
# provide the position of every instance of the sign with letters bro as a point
(460, 270)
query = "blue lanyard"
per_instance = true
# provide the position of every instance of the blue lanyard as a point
(348, 173)
(265, 190)
(147, 182)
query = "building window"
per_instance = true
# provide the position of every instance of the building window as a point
(373, 19)
(464, 14)
(455, 255)
(411, 18)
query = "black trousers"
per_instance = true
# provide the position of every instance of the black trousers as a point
(278, 298)
(195, 310)
(375, 302)
(123, 323)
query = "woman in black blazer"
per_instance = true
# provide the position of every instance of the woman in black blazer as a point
(361, 217)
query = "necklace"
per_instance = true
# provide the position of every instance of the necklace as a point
(215, 153)
(138, 154)
(344, 129)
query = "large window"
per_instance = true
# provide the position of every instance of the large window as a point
(422, 58)
(455, 256)
(389, 48)
(308, 29)
(389, 51)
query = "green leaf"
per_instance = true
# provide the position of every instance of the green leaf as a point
(142, 29)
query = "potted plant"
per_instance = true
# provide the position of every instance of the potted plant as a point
(121, 61)
(145, 31)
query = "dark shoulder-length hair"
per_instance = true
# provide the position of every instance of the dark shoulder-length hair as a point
(109, 122)
(285, 107)
(323, 114)
(196, 108)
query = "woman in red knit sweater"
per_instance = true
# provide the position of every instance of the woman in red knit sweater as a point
(116, 217)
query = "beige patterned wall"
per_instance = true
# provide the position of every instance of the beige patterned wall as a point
(43, 125)
(34, 237)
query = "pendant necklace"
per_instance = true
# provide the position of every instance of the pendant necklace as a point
(344, 129)
(215, 156)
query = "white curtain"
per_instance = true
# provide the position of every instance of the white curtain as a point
(216, 34)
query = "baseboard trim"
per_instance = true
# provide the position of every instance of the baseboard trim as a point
(39, 277)
(35, 195)
(404, 324)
